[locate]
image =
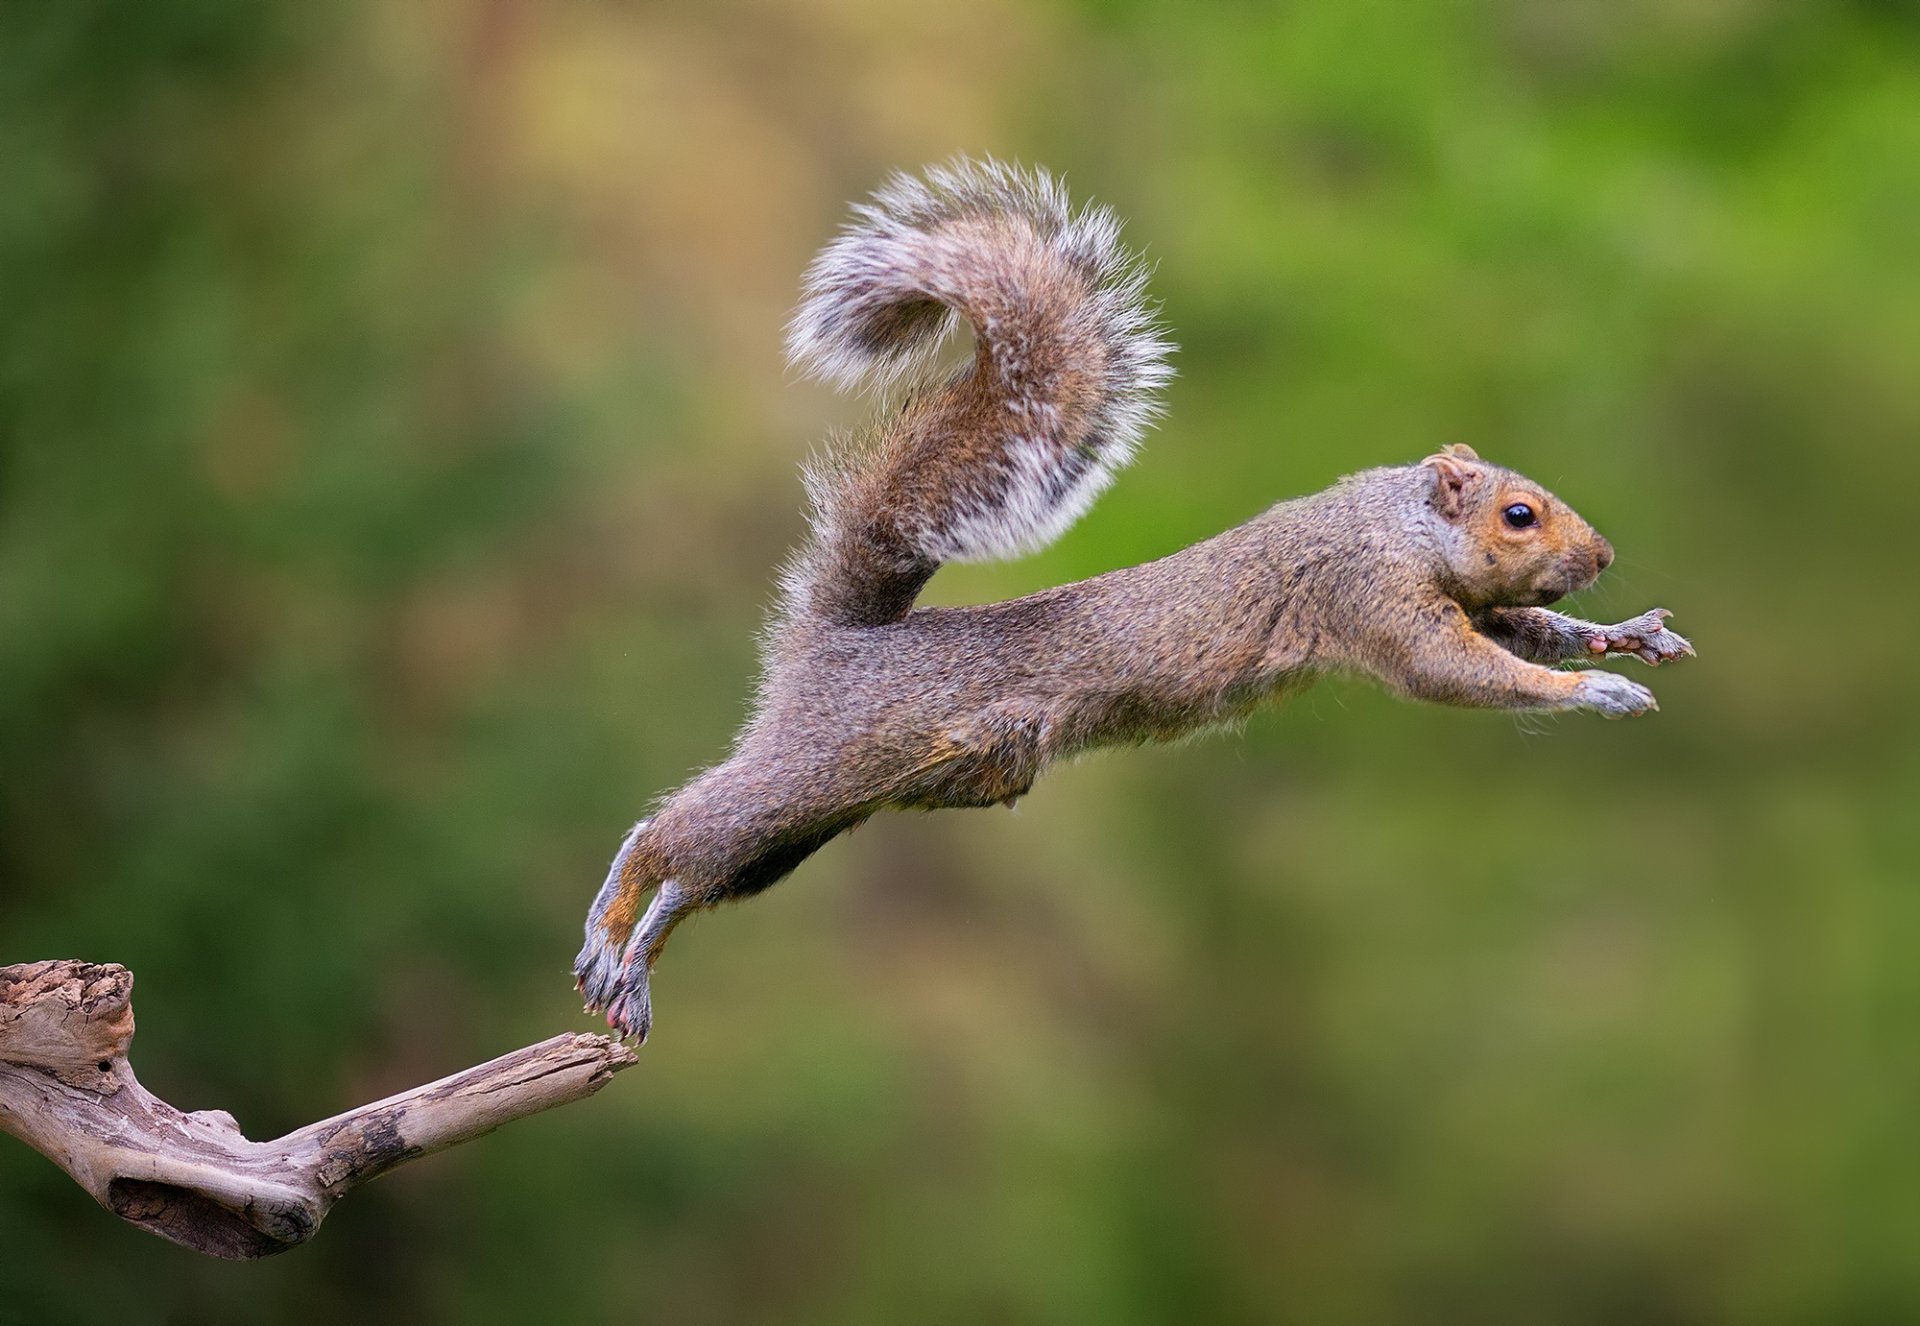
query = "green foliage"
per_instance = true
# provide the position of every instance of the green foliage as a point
(396, 453)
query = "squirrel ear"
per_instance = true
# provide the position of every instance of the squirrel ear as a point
(1453, 471)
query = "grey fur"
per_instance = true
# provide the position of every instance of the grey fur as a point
(1415, 574)
(1000, 458)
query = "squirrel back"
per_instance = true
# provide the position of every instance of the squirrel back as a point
(998, 458)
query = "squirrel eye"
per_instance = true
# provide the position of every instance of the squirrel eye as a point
(1520, 515)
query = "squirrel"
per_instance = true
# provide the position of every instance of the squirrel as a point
(1432, 577)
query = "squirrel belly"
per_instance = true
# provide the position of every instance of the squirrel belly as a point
(1432, 577)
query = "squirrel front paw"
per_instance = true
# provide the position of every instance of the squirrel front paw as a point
(1646, 637)
(1614, 696)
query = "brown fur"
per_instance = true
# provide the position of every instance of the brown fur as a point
(1411, 574)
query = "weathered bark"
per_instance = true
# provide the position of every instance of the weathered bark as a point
(67, 1091)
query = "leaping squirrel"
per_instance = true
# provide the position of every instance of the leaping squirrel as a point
(1431, 577)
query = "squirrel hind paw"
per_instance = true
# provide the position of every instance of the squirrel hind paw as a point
(611, 922)
(615, 980)
(630, 1015)
(596, 969)
(612, 973)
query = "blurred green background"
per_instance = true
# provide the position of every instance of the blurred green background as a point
(397, 449)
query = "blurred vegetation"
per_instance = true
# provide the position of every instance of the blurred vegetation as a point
(396, 452)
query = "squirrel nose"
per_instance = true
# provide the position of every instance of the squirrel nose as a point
(1603, 556)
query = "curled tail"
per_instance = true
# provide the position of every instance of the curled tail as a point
(999, 458)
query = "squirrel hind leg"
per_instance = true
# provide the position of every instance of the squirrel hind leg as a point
(629, 1004)
(989, 760)
(611, 920)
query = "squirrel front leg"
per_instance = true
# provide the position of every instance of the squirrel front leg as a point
(1540, 636)
(1445, 660)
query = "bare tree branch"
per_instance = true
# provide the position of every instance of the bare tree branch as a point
(67, 1090)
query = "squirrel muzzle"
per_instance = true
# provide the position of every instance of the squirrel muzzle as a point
(1578, 568)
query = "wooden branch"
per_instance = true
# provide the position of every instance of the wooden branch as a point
(67, 1091)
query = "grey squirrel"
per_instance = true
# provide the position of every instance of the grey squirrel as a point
(1432, 577)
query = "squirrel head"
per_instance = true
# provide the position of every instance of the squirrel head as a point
(1505, 540)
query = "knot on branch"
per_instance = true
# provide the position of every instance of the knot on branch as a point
(70, 1019)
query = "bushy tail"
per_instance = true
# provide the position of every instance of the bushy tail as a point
(1001, 457)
